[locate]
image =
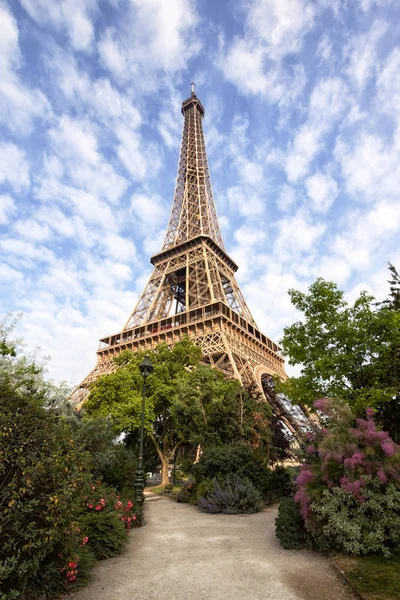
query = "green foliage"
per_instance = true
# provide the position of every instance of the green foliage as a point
(231, 495)
(348, 489)
(289, 526)
(240, 460)
(340, 522)
(106, 533)
(346, 352)
(233, 459)
(213, 410)
(278, 484)
(112, 462)
(187, 492)
(45, 476)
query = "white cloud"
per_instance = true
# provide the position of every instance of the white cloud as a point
(250, 236)
(362, 51)
(322, 190)
(150, 211)
(19, 105)
(7, 208)
(296, 235)
(72, 15)
(370, 167)
(156, 36)
(273, 30)
(32, 230)
(14, 168)
(328, 101)
(287, 198)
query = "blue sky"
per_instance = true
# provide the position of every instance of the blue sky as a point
(302, 130)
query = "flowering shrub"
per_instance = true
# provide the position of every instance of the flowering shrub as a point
(45, 476)
(103, 498)
(349, 488)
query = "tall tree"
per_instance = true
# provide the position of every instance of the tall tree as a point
(119, 396)
(345, 351)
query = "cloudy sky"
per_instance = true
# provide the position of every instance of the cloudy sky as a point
(302, 130)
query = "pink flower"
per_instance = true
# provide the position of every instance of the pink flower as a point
(102, 501)
(134, 517)
(85, 540)
(72, 578)
(310, 449)
(304, 477)
(369, 412)
(322, 404)
(98, 507)
(129, 504)
(388, 448)
(309, 435)
(382, 476)
(90, 505)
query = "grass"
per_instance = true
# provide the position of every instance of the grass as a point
(373, 577)
(159, 489)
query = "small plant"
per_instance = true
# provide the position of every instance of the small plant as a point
(187, 493)
(106, 533)
(230, 496)
(289, 525)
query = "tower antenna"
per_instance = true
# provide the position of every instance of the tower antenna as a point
(193, 86)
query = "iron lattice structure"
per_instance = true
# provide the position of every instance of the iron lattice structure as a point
(192, 290)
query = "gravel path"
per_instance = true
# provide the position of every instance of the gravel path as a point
(182, 554)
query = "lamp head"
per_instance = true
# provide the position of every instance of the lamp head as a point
(145, 366)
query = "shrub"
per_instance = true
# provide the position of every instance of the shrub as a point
(230, 496)
(233, 459)
(112, 462)
(45, 476)
(237, 459)
(289, 525)
(106, 533)
(277, 484)
(187, 492)
(348, 490)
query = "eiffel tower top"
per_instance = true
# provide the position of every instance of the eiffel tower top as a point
(193, 210)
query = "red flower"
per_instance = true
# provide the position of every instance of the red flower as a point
(99, 507)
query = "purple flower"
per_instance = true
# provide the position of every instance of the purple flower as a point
(369, 412)
(311, 449)
(388, 448)
(383, 478)
(304, 477)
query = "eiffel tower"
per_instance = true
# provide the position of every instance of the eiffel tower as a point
(192, 290)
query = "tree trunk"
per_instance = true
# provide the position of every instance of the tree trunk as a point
(164, 470)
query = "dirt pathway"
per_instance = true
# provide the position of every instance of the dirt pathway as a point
(182, 554)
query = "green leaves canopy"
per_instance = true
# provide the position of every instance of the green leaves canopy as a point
(347, 352)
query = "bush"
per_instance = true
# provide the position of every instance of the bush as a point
(45, 476)
(277, 484)
(230, 496)
(187, 493)
(239, 460)
(289, 525)
(341, 522)
(112, 462)
(348, 491)
(106, 533)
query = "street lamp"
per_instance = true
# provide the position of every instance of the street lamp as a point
(145, 368)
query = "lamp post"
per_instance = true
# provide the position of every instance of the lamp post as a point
(145, 368)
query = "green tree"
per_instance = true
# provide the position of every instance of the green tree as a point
(119, 395)
(347, 352)
(212, 410)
